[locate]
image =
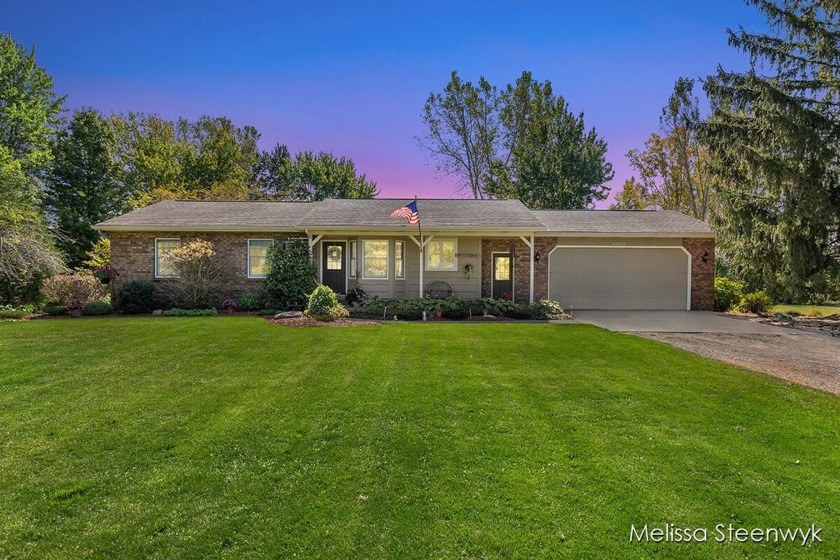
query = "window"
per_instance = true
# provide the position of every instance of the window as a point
(335, 257)
(502, 268)
(164, 269)
(440, 254)
(375, 259)
(399, 260)
(352, 249)
(258, 257)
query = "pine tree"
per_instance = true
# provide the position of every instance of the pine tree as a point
(774, 134)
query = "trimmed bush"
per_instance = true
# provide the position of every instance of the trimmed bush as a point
(55, 310)
(755, 302)
(728, 293)
(291, 274)
(455, 308)
(178, 312)
(324, 306)
(61, 288)
(546, 309)
(97, 307)
(250, 301)
(136, 296)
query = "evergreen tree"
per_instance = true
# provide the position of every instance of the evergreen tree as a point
(82, 186)
(774, 133)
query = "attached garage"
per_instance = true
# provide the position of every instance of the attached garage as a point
(624, 277)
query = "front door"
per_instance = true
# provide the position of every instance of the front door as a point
(334, 272)
(502, 276)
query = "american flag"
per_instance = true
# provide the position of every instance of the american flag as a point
(409, 212)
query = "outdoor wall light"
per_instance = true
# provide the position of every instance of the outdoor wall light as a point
(537, 256)
(706, 256)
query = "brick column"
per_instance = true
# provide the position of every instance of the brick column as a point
(702, 273)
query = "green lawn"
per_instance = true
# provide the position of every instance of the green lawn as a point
(808, 310)
(228, 437)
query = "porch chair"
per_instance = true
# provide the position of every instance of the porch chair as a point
(439, 290)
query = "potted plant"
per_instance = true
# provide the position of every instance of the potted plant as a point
(105, 274)
(75, 306)
(438, 309)
(230, 305)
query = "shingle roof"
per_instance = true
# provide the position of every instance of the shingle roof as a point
(619, 221)
(435, 214)
(225, 215)
(374, 214)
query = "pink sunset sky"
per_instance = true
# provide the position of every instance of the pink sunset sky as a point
(352, 79)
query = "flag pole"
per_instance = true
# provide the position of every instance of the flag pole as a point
(420, 233)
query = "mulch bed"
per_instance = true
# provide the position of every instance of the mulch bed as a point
(310, 322)
(829, 325)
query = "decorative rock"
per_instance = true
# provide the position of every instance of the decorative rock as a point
(157, 312)
(289, 315)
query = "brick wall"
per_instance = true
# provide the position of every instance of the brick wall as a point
(133, 254)
(521, 266)
(702, 273)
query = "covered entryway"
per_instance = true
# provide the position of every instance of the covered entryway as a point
(624, 277)
(333, 266)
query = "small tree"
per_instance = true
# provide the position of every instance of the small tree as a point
(199, 270)
(291, 274)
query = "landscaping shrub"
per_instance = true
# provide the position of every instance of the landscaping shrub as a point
(199, 271)
(355, 295)
(546, 309)
(55, 310)
(250, 301)
(178, 312)
(407, 309)
(373, 307)
(262, 312)
(136, 296)
(16, 312)
(291, 274)
(324, 306)
(61, 288)
(455, 308)
(728, 293)
(97, 307)
(755, 302)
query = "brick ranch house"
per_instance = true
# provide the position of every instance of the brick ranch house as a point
(586, 259)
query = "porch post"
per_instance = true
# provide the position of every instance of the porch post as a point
(421, 268)
(531, 291)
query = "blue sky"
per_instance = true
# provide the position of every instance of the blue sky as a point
(351, 77)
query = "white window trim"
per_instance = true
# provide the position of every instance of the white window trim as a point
(248, 263)
(403, 260)
(387, 260)
(428, 253)
(157, 257)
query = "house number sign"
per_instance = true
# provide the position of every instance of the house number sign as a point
(466, 254)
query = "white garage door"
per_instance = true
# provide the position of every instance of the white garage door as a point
(619, 277)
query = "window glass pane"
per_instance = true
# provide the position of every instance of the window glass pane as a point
(164, 268)
(434, 254)
(448, 254)
(376, 259)
(399, 269)
(258, 256)
(502, 268)
(352, 259)
(335, 257)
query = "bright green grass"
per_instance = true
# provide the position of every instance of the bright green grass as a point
(821, 310)
(228, 437)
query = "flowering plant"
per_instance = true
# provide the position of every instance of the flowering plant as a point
(105, 273)
(507, 295)
(468, 270)
(75, 304)
(230, 303)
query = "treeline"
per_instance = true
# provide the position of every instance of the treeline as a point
(757, 157)
(60, 174)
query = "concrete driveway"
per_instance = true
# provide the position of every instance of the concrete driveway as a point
(673, 322)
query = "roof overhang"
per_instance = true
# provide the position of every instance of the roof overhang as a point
(225, 229)
(623, 234)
